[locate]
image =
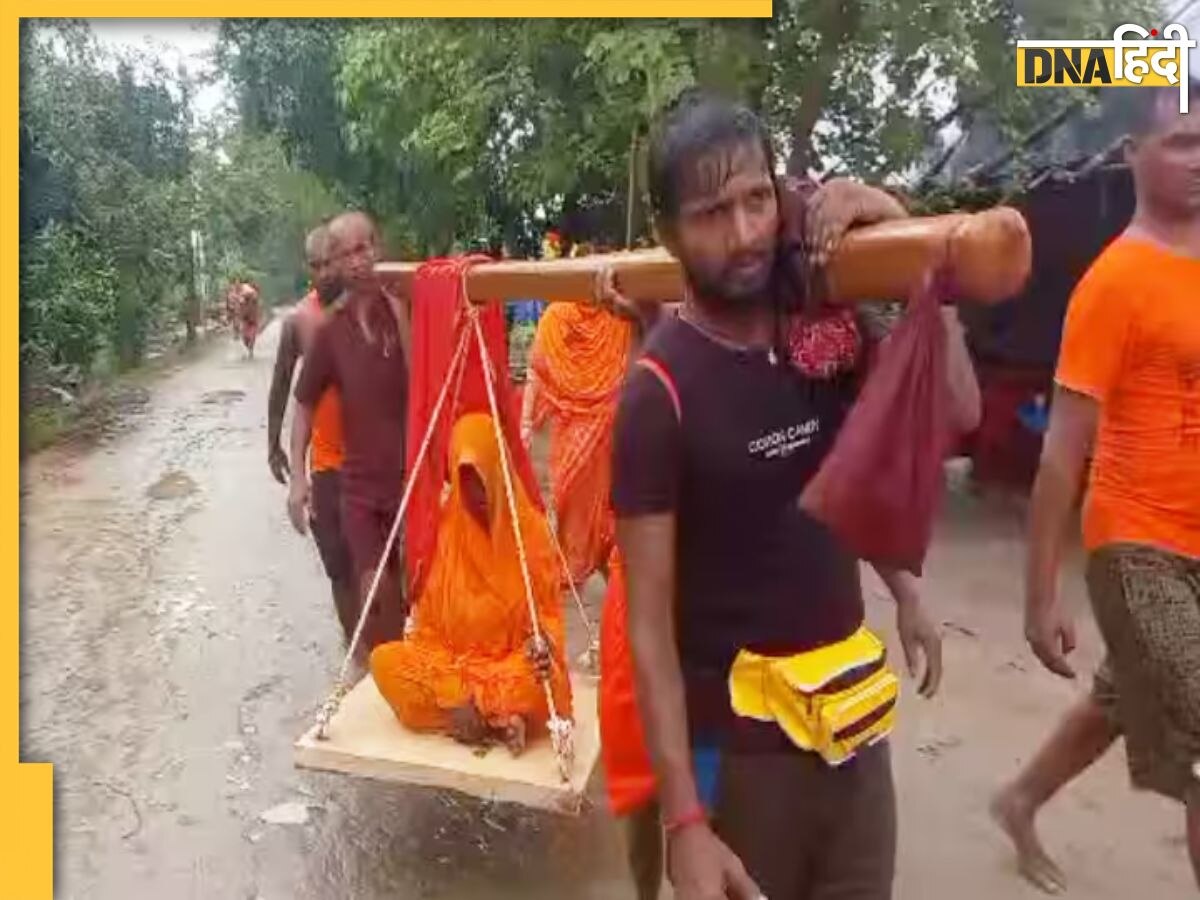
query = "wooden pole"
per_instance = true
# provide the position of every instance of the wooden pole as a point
(989, 252)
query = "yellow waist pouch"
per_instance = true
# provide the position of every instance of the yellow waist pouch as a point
(833, 700)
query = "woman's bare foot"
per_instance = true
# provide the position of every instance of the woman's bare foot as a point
(467, 725)
(1015, 814)
(514, 735)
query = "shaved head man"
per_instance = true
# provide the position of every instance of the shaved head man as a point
(323, 457)
(362, 352)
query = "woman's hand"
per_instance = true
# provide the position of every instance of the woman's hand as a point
(538, 650)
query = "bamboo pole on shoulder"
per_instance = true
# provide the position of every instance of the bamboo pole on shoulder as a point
(989, 252)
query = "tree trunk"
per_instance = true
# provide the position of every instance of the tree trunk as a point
(837, 21)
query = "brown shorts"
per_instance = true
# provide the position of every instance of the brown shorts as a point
(808, 831)
(366, 525)
(1147, 603)
(326, 524)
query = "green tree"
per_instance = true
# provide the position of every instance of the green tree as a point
(487, 121)
(108, 140)
(256, 207)
(283, 72)
(69, 292)
(865, 84)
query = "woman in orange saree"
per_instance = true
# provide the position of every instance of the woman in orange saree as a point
(470, 666)
(578, 361)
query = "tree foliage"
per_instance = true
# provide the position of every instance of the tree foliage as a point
(487, 121)
(455, 132)
(256, 208)
(118, 184)
(108, 141)
(69, 299)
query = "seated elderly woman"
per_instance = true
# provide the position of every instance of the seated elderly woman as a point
(470, 666)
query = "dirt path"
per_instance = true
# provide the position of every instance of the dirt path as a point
(177, 636)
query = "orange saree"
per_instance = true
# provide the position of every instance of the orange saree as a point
(578, 360)
(472, 619)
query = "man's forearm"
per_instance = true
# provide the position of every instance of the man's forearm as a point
(660, 694)
(900, 584)
(661, 698)
(301, 436)
(281, 383)
(875, 204)
(1054, 492)
(276, 407)
(1059, 479)
(647, 551)
(882, 207)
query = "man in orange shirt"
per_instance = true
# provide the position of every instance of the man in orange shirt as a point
(325, 449)
(1128, 395)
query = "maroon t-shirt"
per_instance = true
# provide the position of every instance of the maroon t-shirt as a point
(372, 378)
(752, 570)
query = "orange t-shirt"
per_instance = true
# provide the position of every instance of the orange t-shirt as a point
(1132, 343)
(327, 450)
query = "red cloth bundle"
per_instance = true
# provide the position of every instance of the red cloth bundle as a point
(879, 487)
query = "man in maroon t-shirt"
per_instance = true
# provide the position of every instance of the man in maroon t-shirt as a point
(362, 350)
(717, 434)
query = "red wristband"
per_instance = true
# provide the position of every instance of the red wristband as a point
(689, 817)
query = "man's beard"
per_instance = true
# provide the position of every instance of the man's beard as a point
(716, 293)
(328, 291)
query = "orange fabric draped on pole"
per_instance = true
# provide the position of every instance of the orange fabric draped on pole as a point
(439, 318)
(472, 619)
(579, 357)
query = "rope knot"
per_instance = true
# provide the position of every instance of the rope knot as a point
(562, 739)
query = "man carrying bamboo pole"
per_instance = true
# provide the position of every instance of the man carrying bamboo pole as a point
(732, 588)
(325, 453)
(362, 351)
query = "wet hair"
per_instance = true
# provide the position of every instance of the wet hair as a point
(1146, 106)
(699, 124)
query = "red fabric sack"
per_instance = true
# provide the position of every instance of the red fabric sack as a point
(879, 487)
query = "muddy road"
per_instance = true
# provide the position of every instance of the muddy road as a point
(177, 637)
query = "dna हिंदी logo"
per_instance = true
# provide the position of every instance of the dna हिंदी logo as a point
(1134, 57)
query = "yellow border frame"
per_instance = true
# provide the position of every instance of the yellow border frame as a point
(27, 831)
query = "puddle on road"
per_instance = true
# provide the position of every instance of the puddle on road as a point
(222, 398)
(174, 485)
